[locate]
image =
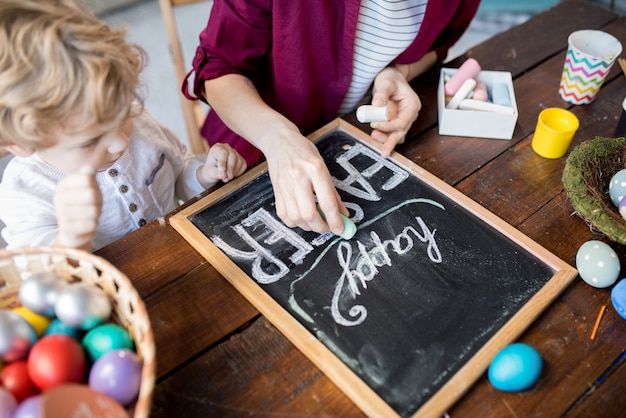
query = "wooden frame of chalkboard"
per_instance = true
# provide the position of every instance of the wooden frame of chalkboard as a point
(405, 316)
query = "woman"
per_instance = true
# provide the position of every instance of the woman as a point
(276, 70)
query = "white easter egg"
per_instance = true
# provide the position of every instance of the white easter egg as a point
(40, 292)
(82, 306)
(617, 187)
(597, 264)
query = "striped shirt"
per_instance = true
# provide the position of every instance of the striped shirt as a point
(385, 29)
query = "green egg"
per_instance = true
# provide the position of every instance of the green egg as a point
(104, 338)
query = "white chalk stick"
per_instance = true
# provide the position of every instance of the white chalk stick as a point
(471, 104)
(462, 93)
(369, 113)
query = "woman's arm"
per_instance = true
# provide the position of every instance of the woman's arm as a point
(298, 173)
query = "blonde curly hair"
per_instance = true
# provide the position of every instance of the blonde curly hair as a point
(61, 69)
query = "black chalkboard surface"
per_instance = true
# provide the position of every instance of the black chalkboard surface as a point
(408, 311)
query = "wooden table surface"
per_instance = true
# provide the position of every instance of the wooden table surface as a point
(217, 356)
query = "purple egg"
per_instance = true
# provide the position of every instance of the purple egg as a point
(117, 374)
(29, 408)
(7, 403)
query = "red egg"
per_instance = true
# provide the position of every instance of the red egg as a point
(15, 379)
(56, 359)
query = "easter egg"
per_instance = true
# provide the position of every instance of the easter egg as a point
(54, 360)
(515, 368)
(82, 306)
(117, 374)
(39, 292)
(105, 338)
(621, 208)
(37, 321)
(59, 327)
(7, 403)
(16, 336)
(15, 379)
(79, 400)
(29, 408)
(618, 298)
(617, 187)
(597, 264)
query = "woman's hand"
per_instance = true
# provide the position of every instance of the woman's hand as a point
(391, 89)
(299, 175)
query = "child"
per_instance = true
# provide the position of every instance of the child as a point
(90, 164)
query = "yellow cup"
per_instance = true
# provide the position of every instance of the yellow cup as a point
(554, 132)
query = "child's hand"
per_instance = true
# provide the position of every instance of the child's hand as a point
(78, 203)
(223, 163)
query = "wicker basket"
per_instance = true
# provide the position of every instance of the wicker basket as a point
(588, 171)
(129, 310)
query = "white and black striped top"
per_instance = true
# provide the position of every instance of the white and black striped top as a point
(384, 30)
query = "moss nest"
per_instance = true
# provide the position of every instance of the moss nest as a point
(588, 171)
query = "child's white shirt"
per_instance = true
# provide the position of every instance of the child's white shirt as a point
(151, 178)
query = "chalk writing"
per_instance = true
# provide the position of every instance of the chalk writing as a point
(260, 256)
(406, 303)
(268, 268)
(368, 263)
(360, 177)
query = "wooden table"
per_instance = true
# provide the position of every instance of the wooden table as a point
(217, 356)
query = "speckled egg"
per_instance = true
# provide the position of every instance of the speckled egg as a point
(618, 298)
(597, 264)
(617, 187)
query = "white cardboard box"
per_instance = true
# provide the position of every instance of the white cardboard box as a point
(457, 122)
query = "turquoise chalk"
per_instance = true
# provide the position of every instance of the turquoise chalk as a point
(349, 228)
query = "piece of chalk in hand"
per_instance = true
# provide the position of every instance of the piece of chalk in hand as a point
(468, 70)
(471, 104)
(349, 228)
(462, 94)
(369, 113)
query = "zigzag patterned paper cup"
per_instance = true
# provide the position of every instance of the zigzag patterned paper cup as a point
(590, 56)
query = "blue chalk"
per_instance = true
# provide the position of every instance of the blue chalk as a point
(500, 94)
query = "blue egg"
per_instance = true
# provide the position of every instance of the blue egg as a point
(59, 327)
(515, 368)
(617, 187)
(618, 298)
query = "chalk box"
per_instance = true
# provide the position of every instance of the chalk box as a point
(457, 122)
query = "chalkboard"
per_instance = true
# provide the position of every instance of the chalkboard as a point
(409, 312)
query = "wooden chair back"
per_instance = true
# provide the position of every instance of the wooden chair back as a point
(193, 113)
